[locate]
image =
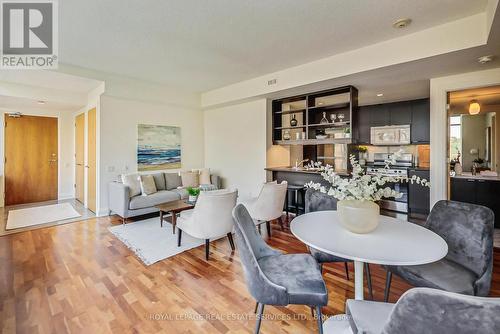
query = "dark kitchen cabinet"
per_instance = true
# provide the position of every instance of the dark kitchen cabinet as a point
(477, 191)
(418, 196)
(415, 113)
(463, 190)
(420, 122)
(379, 115)
(363, 125)
(400, 113)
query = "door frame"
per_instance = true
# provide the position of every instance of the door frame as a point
(2, 150)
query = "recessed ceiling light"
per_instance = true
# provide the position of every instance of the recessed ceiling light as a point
(485, 59)
(320, 103)
(41, 102)
(401, 23)
(380, 94)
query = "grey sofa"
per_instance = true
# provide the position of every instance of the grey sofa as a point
(169, 189)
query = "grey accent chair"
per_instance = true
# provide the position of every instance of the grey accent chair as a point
(467, 269)
(425, 310)
(318, 201)
(274, 278)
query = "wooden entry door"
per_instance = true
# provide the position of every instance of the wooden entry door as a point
(91, 160)
(30, 159)
(80, 158)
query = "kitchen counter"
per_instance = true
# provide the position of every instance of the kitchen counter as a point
(468, 175)
(300, 170)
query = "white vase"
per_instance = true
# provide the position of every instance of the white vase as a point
(192, 198)
(358, 216)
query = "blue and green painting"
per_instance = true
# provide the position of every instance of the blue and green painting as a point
(159, 147)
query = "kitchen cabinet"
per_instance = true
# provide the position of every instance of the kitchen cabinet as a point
(379, 115)
(363, 125)
(400, 113)
(477, 191)
(415, 113)
(420, 122)
(418, 196)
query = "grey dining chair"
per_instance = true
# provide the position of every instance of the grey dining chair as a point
(274, 278)
(318, 201)
(425, 310)
(467, 268)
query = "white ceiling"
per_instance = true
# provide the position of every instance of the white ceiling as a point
(201, 45)
(28, 105)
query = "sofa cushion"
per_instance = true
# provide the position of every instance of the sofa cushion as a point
(148, 185)
(133, 183)
(183, 193)
(190, 179)
(205, 176)
(173, 181)
(160, 181)
(164, 196)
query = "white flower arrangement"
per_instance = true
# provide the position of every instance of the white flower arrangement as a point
(361, 186)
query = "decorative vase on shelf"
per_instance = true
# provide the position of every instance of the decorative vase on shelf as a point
(192, 198)
(358, 216)
(293, 121)
(286, 135)
(323, 120)
(458, 168)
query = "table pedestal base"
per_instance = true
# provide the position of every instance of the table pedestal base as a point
(358, 280)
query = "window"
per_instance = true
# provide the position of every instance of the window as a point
(455, 137)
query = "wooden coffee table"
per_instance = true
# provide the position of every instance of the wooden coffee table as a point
(174, 208)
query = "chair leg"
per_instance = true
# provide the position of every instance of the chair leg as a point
(280, 221)
(207, 248)
(230, 238)
(388, 279)
(268, 226)
(124, 220)
(256, 306)
(346, 270)
(320, 319)
(258, 228)
(369, 280)
(321, 268)
(179, 237)
(260, 311)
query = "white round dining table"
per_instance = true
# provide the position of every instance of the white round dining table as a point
(393, 242)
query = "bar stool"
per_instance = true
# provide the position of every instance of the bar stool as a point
(297, 191)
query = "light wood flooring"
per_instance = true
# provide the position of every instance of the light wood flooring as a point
(78, 278)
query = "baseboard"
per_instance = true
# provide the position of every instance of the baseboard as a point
(102, 213)
(61, 197)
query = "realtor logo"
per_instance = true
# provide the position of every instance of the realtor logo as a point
(29, 34)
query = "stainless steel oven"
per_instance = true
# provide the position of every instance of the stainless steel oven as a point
(400, 168)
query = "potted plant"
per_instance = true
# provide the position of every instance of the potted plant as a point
(358, 195)
(193, 194)
(347, 132)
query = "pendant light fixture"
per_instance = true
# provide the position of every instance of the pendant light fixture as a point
(474, 107)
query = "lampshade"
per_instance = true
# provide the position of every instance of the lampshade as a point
(474, 107)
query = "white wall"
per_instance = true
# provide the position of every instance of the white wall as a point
(119, 118)
(66, 149)
(235, 145)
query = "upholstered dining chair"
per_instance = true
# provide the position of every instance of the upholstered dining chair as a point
(274, 278)
(318, 201)
(210, 218)
(268, 206)
(425, 310)
(467, 268)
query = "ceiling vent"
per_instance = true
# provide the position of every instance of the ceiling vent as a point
(401, 23)
(271, 82)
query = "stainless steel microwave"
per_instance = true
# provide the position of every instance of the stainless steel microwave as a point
(390, 135)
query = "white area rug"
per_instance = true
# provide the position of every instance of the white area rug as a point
(40, 215)
(152, 243)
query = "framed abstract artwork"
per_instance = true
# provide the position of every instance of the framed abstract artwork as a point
(158, 147)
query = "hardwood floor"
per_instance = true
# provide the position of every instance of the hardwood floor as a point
(78, 278)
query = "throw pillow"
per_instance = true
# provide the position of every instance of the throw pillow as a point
(205, 176)
(148, 186)
(190, 179)
(159, 181)
(133, 183)
(173, 180)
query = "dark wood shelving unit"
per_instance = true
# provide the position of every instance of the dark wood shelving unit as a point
(309, 110)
